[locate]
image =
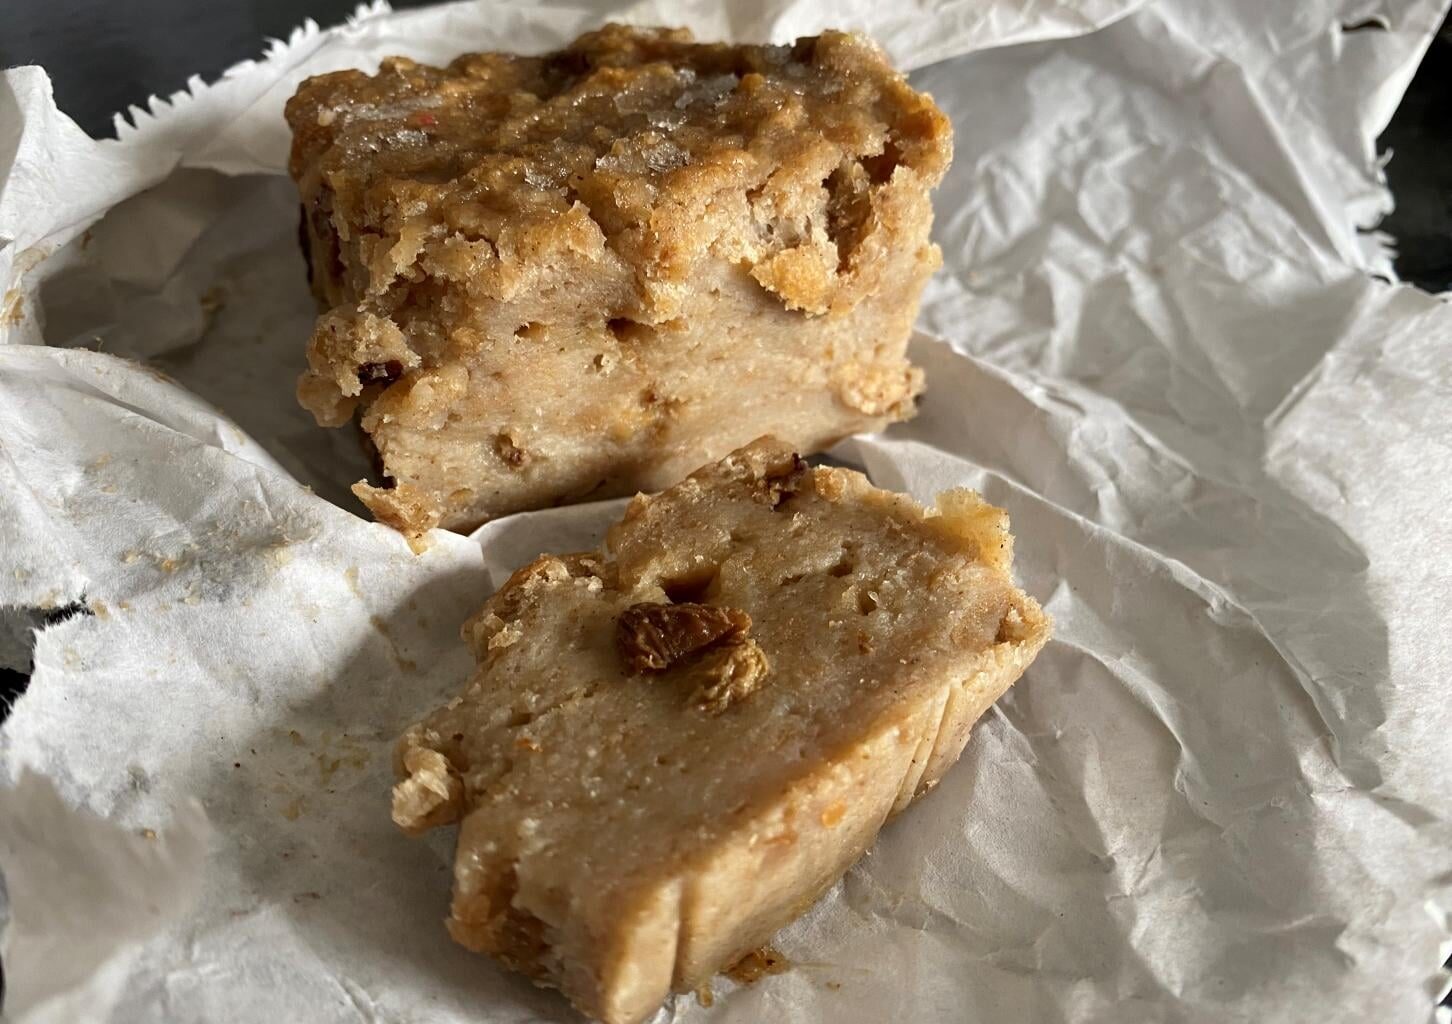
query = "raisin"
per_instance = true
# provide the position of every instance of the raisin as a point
(728, 673)
(653, 637)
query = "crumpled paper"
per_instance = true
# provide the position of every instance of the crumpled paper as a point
(1164, 338)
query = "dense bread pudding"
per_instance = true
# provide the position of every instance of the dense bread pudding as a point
(675, 744)
(584, 274)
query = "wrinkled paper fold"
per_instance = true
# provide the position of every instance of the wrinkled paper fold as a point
(1159, 340)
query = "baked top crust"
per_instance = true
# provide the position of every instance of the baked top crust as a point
(635, 130)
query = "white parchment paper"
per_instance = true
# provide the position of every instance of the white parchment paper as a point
(1164, 338)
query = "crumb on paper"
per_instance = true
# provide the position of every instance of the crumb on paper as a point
(756, 965)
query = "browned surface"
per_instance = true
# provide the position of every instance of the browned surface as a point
(585, 273)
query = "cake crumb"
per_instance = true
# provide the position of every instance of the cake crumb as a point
(756, 965)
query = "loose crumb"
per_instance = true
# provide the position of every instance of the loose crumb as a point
(756, 965)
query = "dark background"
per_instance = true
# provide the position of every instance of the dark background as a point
(103, 55)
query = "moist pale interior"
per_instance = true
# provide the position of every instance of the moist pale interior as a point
(593, 795)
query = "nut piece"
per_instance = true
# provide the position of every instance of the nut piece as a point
(653, 637)
(730, 673)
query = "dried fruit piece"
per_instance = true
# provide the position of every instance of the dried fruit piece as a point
(653, 637)
(727, 674)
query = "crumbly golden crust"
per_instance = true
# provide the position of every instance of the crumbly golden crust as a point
(584, 273)
(646, 795)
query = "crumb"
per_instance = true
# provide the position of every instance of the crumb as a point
(756, 965)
